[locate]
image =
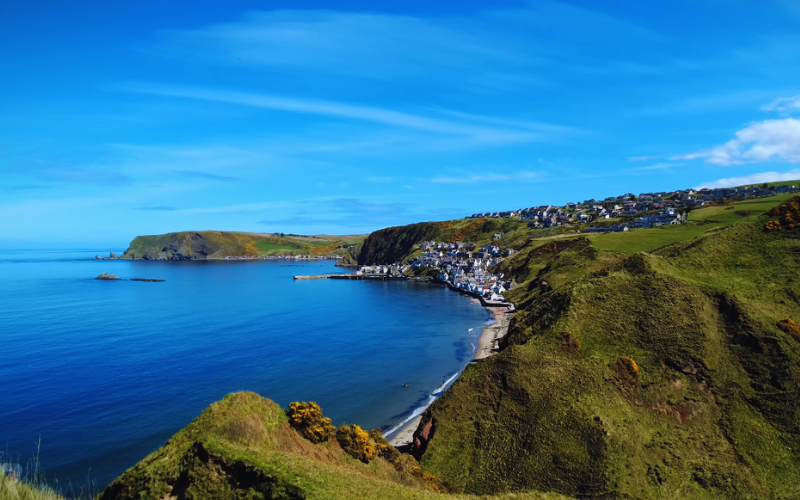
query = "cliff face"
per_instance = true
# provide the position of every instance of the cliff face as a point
(174, 246)
(391, 245)
(396, 244)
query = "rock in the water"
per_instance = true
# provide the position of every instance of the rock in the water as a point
(113, 256)
(97, 257)
(106, 276)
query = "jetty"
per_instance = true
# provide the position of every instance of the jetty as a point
(378, 277)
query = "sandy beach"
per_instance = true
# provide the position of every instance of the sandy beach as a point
(487, 346)
(405, 435)
(488, 341)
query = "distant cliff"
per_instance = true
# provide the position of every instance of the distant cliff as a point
(395, 244)
(210, 245)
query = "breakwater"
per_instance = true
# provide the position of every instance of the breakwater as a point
(351, 277)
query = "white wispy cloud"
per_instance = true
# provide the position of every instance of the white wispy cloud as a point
(783, 105)
(742, 99)
(768, 140)
(372, 45)
(489, 177)
(753, 179)
(341, 110)
(491, 50)
(660, 166)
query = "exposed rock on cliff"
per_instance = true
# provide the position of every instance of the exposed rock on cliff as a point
(174, 246)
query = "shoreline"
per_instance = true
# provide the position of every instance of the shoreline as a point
(488, 342)
(487, 346)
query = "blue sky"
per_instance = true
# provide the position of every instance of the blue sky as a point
(119, 119)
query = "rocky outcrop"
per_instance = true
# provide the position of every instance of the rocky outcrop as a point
(105, 276)
(390, 245)
(174, 246)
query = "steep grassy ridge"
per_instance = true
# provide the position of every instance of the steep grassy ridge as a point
(220, 244)
(396, 244)
(711, 410)
(244, 448)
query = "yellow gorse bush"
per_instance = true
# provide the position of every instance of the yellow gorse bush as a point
(433, 483)
(308, 420)
(627, 370)
(356, 442)
(789, 214)
(790, 327)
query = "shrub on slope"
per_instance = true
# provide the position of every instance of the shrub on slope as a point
(243, 447)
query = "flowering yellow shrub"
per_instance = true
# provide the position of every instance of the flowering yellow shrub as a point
(433, 483)
(384, 449)
(308, 420)
(250, 250)
(790, 327)
(789, 214)
(627, 369)
(356, 442)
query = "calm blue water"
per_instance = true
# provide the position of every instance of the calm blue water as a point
(105, 372)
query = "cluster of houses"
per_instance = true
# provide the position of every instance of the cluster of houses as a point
(654, 209)
(668, 217)
(392, 271)
(460, 265)
(465, 267)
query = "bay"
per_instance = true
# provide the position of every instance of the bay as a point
(104, 372)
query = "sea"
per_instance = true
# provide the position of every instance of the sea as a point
(95, 375)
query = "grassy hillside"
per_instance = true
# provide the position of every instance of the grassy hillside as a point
(244, 448)
(396, 244)
(709, 406)
(701, 221)
(220, 244)
(21, 490)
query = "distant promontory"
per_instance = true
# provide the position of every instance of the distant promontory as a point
(221, 245)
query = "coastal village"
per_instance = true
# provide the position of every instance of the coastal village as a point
(460, 265)
(465, 268)
(643, 211)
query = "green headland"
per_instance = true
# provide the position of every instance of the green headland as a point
(213, 245)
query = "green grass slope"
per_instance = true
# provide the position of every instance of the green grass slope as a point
(189, 245)
(22, 490)
(700, 221)
(397, 244)
(712, 409)
(244, 448)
